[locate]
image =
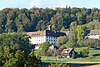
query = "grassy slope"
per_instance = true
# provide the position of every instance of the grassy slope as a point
(94, 58)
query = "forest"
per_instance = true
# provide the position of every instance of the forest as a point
(26, 20)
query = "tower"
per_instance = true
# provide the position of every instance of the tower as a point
(50, 27)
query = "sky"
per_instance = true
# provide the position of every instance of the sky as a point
(49, 3)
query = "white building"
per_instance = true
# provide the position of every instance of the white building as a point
(39, 37)
(94, 34)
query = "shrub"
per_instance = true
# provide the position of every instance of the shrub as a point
(84, 52)
(74, 54)
(49, 52)
(58, 56)
(64, 65)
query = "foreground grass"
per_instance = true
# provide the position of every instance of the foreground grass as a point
(95, 57)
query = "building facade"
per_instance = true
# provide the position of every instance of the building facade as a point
(93, 34)
(39, 37)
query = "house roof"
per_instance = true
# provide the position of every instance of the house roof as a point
(45, 33)
(66, 32)
(37, 33)
(67, 51)
(94, 32)
(59, 50)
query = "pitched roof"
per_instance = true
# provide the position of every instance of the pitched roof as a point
(37, 33)
(45, 33)
(66, 32)
(94, 32)
(59, 51)
(67, 51)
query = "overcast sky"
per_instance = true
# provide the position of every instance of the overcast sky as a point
(49, 3)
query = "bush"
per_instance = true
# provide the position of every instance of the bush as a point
(84, 53)
(64, 65)
(43, 47)
(58, 56)
(74, 54)
(91, 43)
(49, 52)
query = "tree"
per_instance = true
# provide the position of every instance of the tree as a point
(81, 18)
(11, 63)
(43, 48)
(81, 32)
(17, 58)
(61, 40)
(50, 52)
(20, 56)
(93, 25)
(15, 41)
(73, 35)
(20, 20)
(32, 58)
(74, 54)
(84, 52)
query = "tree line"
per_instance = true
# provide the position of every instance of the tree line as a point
(26, 20)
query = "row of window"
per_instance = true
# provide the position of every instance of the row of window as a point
(40, 40)
(94, 35)
(51, 40)
(46, 37)
(46, 40)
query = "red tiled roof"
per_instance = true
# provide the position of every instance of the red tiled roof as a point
(45, 33)
(94, 32)
(37, 33)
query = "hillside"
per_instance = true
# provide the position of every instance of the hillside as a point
(19, 20)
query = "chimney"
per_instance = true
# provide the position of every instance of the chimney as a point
(50, 27)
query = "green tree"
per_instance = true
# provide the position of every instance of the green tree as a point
(73, 35)
(81, 32)
(11, 63)
(50, 52)
(20, 20)
(43, 48)
(74, 54)
(16, 40)
(32, 61)
(62, 40)
(84, 52)
(20, 56)
(17, 58)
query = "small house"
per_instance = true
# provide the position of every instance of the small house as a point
(67, 52)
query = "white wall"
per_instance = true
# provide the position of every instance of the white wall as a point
(93, 36)
(38, 39)
(42, 39)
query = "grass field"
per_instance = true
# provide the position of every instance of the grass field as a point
(95, 57)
